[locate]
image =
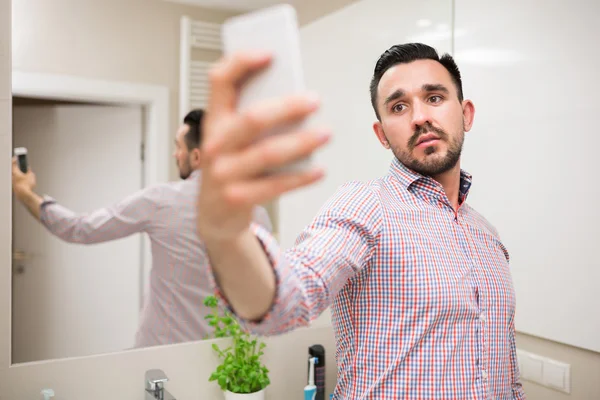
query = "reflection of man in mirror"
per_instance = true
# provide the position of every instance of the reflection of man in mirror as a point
(418, 281)
(173, 311)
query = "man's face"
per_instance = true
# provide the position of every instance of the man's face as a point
(422, 119)
(182, 154)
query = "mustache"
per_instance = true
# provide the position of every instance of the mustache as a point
(423, 129)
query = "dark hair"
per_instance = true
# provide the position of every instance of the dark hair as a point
(406, 53)
(193, 137)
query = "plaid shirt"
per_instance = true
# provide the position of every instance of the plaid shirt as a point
(422, 297)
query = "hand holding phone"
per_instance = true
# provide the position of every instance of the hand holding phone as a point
(256, 142)
(21, 154)
(273, 30)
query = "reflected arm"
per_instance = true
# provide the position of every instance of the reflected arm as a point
(130, 215)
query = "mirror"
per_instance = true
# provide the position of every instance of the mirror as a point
(112, 262)
(91, 151)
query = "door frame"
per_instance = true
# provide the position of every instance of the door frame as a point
(153, 98)
(154, 101)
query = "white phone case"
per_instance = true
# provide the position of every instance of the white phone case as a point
(273, 29)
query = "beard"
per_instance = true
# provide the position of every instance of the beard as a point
(185, 170)
(433, 164)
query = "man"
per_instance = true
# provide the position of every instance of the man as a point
(173, 310)
(419, 282)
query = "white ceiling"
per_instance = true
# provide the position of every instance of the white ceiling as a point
(235, 5)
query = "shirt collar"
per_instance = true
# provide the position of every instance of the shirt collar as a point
(194, 175)
(407, 177)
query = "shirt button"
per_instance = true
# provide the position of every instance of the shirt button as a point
(482, 317)
(484, 374)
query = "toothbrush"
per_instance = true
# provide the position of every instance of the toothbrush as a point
(310, 390)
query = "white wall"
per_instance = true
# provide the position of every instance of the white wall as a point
(532, 150)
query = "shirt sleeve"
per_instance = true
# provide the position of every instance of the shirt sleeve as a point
(261, 217)
(338, 243)
(128, 216)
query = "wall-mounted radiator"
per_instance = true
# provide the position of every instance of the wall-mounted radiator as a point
(193, 78)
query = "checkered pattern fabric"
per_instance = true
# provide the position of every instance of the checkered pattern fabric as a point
(422, 297)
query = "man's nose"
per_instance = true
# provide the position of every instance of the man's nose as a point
(420, 116)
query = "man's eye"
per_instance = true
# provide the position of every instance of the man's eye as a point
(398, 108)
(435, 99)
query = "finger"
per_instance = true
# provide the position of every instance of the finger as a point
(267, 188)
(227, 75)
(273, 152)
(260, 119)
(15, 168)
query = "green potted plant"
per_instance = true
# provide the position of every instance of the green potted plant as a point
(241, 374)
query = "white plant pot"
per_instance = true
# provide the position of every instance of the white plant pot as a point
(245, 396)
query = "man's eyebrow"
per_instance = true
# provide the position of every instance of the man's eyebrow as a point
(429, 87)
(394, 96)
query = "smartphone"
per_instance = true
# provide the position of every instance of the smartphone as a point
(21, 154)
(273, 29)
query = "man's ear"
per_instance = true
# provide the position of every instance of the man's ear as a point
(196, 156)
(378, 129)
(468, 114)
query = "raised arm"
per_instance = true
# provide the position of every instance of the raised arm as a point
(235, 179)
(128, 216)
(338, 243)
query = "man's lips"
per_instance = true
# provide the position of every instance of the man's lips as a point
(427, 139)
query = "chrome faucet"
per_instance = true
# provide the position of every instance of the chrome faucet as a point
(155, 385)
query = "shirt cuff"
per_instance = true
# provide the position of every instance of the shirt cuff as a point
(281, 315)
(47, 200)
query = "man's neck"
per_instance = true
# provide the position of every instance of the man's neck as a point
(450, 181)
